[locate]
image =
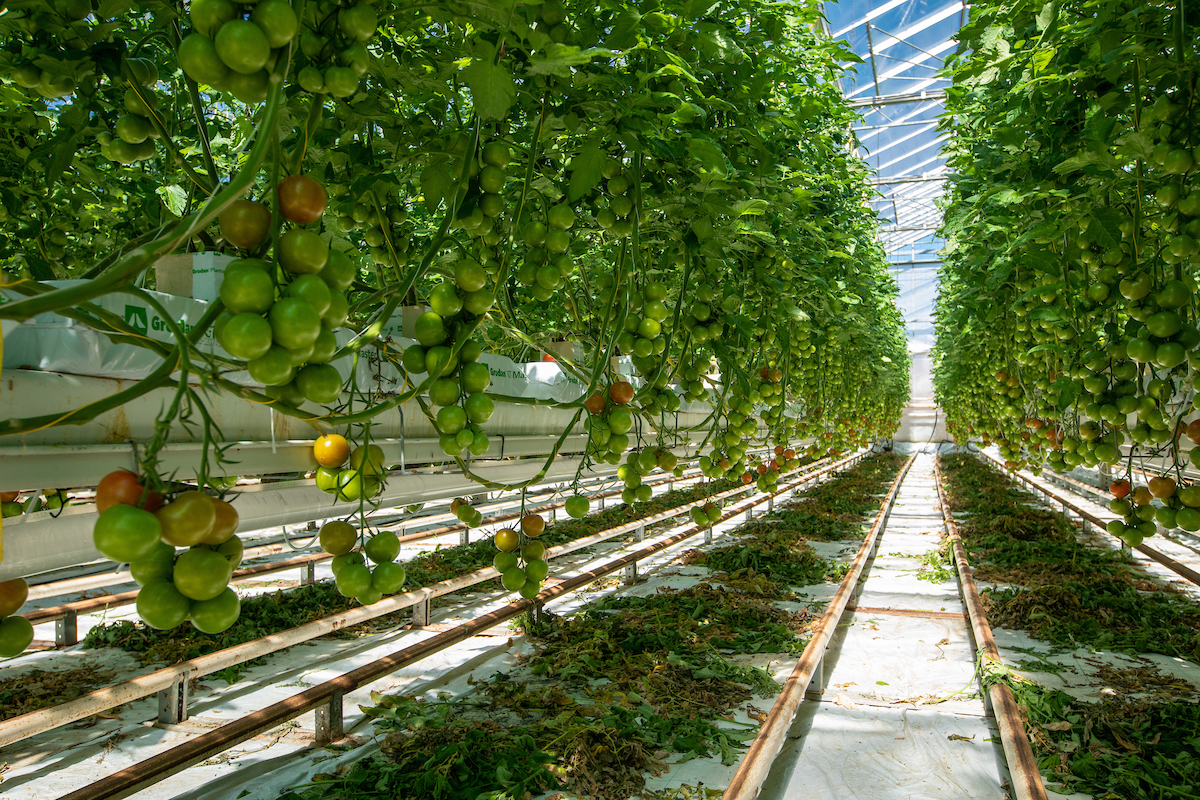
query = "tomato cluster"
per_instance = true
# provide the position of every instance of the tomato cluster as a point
(521, 560)
(280, 315)
(138, 528)
(349, 475)
(460, 379)
(640, 463)
(233, 48)
(609, 422)
(351, 574)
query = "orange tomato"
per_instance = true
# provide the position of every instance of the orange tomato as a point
(331, 450)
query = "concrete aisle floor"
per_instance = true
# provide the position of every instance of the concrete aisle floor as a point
(900, 716)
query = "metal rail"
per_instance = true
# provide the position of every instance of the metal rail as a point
(1091, 519)
(1022, 765)
(171, 683)
(67, 614)
(326, 699)
(756, 765)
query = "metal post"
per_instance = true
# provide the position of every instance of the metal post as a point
(329, 726)
(640, 534)
(173, 702)
(308, 573)
(66, 630)
(464, 536)
(1087, 525)
(708, 535)
(771, 503)
(421, 614)
(749, 513)
(629, 575)
(818, 680)
(601, 501)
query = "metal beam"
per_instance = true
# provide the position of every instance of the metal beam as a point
(896, 99)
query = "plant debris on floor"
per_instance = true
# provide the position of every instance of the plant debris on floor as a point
(613, 692)
(772, 551)
(1142, 739)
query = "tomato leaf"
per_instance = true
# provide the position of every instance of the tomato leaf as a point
(436, 182)
(557, 59)
(625, 30)
(492, 89)
(1106, 230)
(174, 198)
(587, 169)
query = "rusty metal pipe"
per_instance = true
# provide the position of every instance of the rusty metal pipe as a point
(1022, 766)
(1162, 558)
(756, 764)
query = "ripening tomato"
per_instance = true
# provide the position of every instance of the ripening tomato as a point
(506, 540)
(621, 392)
(13, 595)
(533, 525)
(595, 403)
(188, 519)
(338, 537)
(125, 488)
(301, 199)
(224, 526)
(245, 224)
(331, 450)
(16, 634)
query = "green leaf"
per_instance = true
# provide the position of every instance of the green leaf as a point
(753, 207)
(1047, 17)
(436, 182)
(1085, 159)
(625, 30)
(711, 158)
(587, 169)
(492, 89)
(1105, 230)
(557, 59)
(174, 198)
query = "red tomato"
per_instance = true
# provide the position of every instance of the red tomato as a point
(125, 488)
(596, 402)
(621, 392)
(301, 199)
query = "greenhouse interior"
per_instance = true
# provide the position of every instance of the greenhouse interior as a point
(655, 400)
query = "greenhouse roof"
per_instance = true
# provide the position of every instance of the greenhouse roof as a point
(899, 93)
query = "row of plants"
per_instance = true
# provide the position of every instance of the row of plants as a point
(671, 182)
(615, 692)
(1067, 319)
(1139, 739)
